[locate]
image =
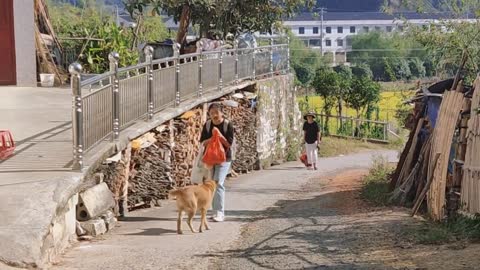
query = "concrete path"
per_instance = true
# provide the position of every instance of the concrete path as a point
(147, 240)
(40, 122)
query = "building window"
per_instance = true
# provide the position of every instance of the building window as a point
(315, 30)
(328, 43)
(400, 28)
(366, 29)
(340, 42)
(328, 30)
(352, 29)
(340, 30)
(301, 30)
(305, 42)
(315, 42)
(389, 29)
(377, 28)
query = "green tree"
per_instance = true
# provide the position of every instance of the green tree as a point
(385, 54)
(402, 69)
(364, 92)
(224, 16)
(362, 70)
(327, 84)
(345, 77)
(153, 29)
(303, 60)
(446, 47)
(417, 68)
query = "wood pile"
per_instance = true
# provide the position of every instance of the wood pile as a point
(151, 177)
(470, 193)
(186, 131)
(163, 158)
(423, 172)
(243, 119)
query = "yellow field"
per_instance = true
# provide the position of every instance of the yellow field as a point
(388, 104)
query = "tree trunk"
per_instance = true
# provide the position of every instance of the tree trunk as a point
(340, 112)
(184, 23)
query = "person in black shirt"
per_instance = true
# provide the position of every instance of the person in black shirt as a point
(220, 171)
(312, 137)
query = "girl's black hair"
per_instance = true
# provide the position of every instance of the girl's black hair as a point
(217, 106)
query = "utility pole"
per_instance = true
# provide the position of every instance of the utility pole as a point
(322, 10)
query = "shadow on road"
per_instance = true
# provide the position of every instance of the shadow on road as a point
(153, 232)
(329, 231)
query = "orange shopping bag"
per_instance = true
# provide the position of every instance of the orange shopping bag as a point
(214, 153)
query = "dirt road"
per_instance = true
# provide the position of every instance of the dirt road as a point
(282, 218)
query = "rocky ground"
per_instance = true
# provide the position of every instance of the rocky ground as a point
(282, 218)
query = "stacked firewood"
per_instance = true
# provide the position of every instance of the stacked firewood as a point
(151, 177)
(187, 130)
(244, 120)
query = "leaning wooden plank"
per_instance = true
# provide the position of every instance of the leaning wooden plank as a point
(400, 193)
(403, 156)
(420, 198)
(407, 165)
(442, 141)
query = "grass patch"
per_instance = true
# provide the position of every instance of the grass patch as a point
(375, 187)
(398, 86)
(331, 146)
(460, 228)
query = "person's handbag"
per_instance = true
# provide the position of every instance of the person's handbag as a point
(304, 160)
(199, 171)
(214, 152)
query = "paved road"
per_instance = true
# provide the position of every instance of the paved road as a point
(147, 240)
(40, 122)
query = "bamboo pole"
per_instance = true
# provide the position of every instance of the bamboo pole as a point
(420, 199)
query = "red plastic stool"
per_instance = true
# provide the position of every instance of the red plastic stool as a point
(7, 144)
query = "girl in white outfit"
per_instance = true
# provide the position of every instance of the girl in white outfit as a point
(312, 137)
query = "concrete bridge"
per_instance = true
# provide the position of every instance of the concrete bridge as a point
(96, 118)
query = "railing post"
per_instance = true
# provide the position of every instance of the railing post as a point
(200, 68)
(385, 132)
(113, 57)
(288, 54)
(149, 58)
(75, 70)
(353, 128)
(271, 57)
(176, 48)
(236, 62)
(220, 64)
(253, 64)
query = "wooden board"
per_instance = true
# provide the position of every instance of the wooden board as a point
(410, 159)
(470, 192)
(441, 143)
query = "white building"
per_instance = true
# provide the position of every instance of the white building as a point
(332, 34)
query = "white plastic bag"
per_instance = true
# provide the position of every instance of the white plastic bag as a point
(198, 171)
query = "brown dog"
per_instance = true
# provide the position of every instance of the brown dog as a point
(191, 198)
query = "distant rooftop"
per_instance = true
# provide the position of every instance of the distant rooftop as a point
(359, 16)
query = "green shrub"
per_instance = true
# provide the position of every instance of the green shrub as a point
(375, 188)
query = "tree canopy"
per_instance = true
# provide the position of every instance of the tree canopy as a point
(220, 16)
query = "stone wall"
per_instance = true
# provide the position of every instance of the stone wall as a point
(279, 121)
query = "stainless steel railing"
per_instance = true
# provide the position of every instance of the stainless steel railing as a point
(106, 104)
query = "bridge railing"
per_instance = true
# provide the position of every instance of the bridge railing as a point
(108, 103)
